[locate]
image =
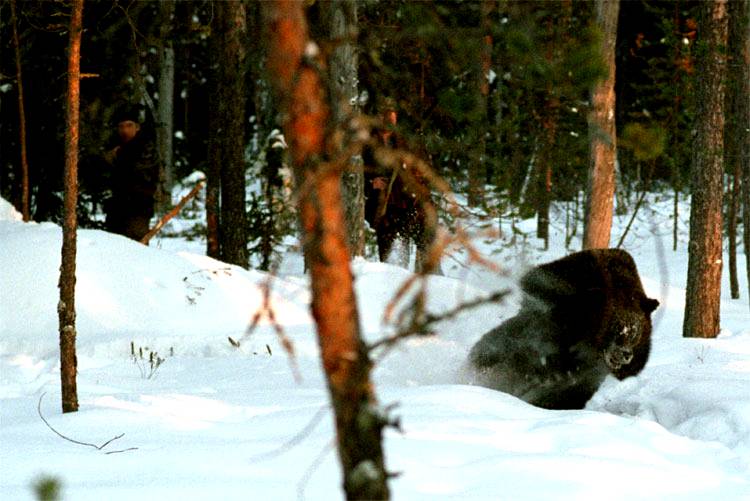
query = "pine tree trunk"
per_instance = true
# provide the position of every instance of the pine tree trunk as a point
(231, 33)
(543, 191)
(737, 134)
(213, 188)
(743, 114)
(703, 292)
(215, 153)
(735, 177)
(341, 18)
(21, 117)
(165, 110)
(602, 137)
(66, 307)
(225, 177)
(299, 90)
(477, 164)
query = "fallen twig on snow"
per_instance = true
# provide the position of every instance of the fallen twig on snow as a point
(97, 447)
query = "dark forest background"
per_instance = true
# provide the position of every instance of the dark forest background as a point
(482, 134)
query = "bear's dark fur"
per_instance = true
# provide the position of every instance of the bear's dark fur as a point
(582, 317)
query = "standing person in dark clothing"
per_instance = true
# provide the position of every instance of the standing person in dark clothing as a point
(135, 174)
(396, 195)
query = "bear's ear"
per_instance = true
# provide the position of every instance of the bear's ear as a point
(649, 304)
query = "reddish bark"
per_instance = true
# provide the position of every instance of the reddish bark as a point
(703, 292)
(299, 88)
(172, 213)
(602, 137)
(66, 307)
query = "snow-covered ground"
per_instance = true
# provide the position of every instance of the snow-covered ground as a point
(218, 422)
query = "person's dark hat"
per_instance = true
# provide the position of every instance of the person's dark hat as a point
(127, 113)
(386, 104)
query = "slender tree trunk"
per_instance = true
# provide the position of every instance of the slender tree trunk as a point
(66, 307)
(341, 18)
(21, 117)
(737, 133)
(477, 165)
(734, 193)
(549, 118)
(675, 217)
(216, 114)
(213, 188)
(165, 109)
(703, 292)
(600, 191)
(740, 35)
(543, 191)
(215, 155)
(229, 105)
(300, 92)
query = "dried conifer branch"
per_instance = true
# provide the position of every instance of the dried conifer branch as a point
(172, 213)
(86, 444)
(307, 475)
(429, 319)
(413, 319)
(297, 438)
(266, 311)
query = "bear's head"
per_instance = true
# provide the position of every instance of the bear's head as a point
(626, 336)
(597, 298)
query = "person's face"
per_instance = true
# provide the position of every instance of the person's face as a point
(390, 117)
(127, 129)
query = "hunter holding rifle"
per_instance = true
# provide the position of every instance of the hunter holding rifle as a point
(134, 179)
(395, 193)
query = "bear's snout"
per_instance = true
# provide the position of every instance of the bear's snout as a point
(617, 356)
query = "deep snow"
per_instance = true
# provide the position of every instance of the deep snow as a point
(218, 422)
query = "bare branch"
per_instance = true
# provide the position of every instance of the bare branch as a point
(429, 319)
(266, 311)
(302, 484)
(296, 439)
(86, 444)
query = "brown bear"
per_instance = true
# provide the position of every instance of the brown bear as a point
(582, 317)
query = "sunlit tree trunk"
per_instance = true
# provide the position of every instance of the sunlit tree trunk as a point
(600, 191)
(300, 92)
(341, 19)
(21, 117)
(66, 307)
(703, 292)
(165, 109)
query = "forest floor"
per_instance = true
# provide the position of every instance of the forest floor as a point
(216, 421)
